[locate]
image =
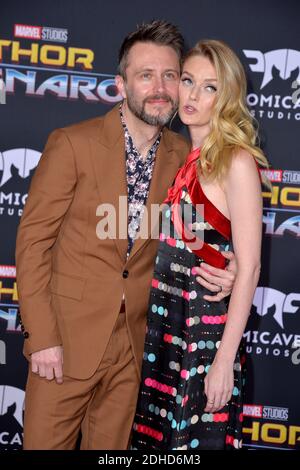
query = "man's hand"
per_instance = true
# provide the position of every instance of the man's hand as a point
(48, 363)
(218, 280)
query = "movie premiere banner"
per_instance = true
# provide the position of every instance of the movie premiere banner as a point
(58, 60)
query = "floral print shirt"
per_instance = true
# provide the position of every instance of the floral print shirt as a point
(139, 174)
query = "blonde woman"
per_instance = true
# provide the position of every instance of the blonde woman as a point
(192, 378)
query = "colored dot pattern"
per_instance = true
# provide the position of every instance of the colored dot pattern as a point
(163, 286)
(160, 310)
(214, 319)
(160, 386)
(149, 432)
(183, 335)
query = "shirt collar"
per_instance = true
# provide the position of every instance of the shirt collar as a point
(129, 139)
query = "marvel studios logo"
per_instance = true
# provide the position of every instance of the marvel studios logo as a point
(253, 411)
(282, 176)
(43, 33)
(275, 176)
(7, 271)
(266, 412)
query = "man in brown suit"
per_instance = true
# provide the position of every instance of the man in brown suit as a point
(83, 298)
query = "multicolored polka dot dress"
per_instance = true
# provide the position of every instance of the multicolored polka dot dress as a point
(184, 331)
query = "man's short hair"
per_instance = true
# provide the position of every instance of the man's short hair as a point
(157, 32)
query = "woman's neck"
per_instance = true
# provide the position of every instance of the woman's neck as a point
(198, 135)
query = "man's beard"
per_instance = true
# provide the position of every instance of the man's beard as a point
(138, 109)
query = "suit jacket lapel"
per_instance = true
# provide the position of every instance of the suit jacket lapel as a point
(108, 157)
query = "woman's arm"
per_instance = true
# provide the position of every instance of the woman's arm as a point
(243, 195)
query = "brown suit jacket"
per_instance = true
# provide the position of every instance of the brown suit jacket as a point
(70, 282)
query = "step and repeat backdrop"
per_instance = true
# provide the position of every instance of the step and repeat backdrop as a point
(57, 65)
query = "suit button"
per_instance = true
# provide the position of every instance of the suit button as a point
(26, 334)
(22, 328)
(125, 274)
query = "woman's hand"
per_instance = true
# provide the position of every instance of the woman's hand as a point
(218, 385)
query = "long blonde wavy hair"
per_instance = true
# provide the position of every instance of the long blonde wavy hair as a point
(232, 126)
